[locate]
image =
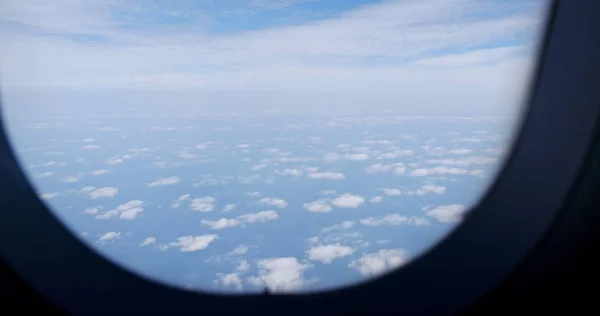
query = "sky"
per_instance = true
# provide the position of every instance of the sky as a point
(298, 145)
(471, 54)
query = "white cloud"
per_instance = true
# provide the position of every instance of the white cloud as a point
(92, 210)
(448, 213)
(478, 173)
(379, 168)
(468, 140)
(391, 192)
(280, 203)
(460, 151)
(204, 204)
(87, 147)
(239, 250)
(331, 157)
(221, 224)
(253, 194)
(396, 154)
(114, 161)
(376, 199)
(229, 207)
(258, 167)
(88, 140)
(243, 266)
(103, 192)
(399, 171)
(395, 219)
(109, 236)
(99, 172)
(327, 175)
(275, 57)
(48, 196)
(127, 211)
(165, 181)
(289, 172)
(148, 241)
(186, 155)
(494, 151)
(427, 188)
(263, 216)
(375, 264)
(231, 279)
(343, 225)
(71, 179)
(318, 206)
(464, 162)
(357, 157)
(180, 199)
(281, 274)
(194, 243)
(348, 201)
(438, 171)
(327, 253)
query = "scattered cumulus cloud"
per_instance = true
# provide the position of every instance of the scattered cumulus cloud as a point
(281, 274)
(290, 172)
(229, 207)
(180, 199)
(148, 241)
(357, 157)
(110, 236)
(395, 219)
(105, 192)
(460, 151)
(194, 243)
(376, 199)
(280, 203)
(99, 172)
(327, 176)
(165, 181)
(48, 196)
(348, 201)
(430, 188)
(391, 192)
(221, 223)
(71, 179)
(327, 253)
(452, 213)
(438, 171)
(318, 206)
(263, 216)
(204, 204)
(126, 211)
(374, 264)
(239, 250)
(231, 279)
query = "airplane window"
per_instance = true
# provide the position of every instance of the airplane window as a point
(229, 146)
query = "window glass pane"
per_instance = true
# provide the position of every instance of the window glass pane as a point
(300, 145)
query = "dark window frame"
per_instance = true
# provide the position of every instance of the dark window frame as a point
(528, 194)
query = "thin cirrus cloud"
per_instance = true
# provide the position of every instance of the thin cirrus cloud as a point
(419, 51)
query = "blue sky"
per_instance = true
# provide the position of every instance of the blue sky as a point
(472, 54)
(294, 144)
